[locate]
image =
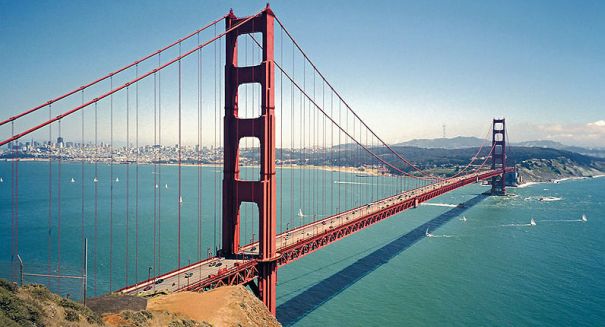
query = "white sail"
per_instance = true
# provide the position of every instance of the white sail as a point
(532, 222)
(117, 179)
(300, 213)
(584, 219)
(95, 180)
(72, 180)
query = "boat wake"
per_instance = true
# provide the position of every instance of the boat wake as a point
(439, 204)
(429, 234)
(543, 198)
(582, 219)
(549, 199)
(354, 183)
(532, 223)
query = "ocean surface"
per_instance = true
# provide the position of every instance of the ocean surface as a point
(482, 265)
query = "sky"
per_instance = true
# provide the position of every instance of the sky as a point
(407, 67)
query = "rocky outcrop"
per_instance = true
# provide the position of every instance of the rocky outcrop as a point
(35, 305)
(548, 170)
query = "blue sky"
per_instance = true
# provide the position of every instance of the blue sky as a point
(407, 67)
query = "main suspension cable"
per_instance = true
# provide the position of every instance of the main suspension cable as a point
(83, 87)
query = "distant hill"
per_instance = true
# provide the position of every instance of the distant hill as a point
(463, 142)
(595, 152)
(458, 142)
(543, 144)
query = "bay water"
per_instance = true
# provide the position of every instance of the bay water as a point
(483, 263)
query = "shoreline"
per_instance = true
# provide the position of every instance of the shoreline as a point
(343, 169)
(365, 172)
(557, 181)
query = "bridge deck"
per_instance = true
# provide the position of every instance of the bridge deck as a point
(298, 242)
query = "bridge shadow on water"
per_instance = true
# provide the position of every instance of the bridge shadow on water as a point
(304, 303)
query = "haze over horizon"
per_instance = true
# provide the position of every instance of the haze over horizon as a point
(407, 68)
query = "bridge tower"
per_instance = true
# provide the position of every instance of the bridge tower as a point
(499, 156)
(262, 191)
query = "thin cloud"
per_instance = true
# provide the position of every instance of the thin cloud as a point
(598, 123)
(588, 134)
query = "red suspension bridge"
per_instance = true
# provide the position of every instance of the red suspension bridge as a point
(300, 168)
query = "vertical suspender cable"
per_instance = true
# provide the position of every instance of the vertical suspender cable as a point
(323, 151)
(96, 205)
(303, 138)
(82, 186)
(59, 208)
(347, 156)
(155, 170)
(13, 249)
(17, 206)
(50, 194)
(291, 172)
(331, 153)
(340, 149)
(314, 171)
(136, 186)
(215, 143)
(199, 150)
(127, 214)
(160, 149)
(311, 145)
(111, 186)
(281, 132)
(180, 199)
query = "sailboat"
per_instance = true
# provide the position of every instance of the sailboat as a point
(427, 234)
(117, 179)
(156, 186)
(532, 222)
(95, 180)
(300, 213)
(166, 186)
(463, 218)
(584, 219)
(72, 180)
(180, 200)
(1, 180)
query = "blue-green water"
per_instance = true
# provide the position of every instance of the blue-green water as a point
(316, 192)
(485, 274)
(478, 272)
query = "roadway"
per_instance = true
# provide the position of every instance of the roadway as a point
(197, 272)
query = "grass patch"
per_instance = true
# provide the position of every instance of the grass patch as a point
(71, 315)
(17, 310)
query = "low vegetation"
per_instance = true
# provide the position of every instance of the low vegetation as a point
(34, 305)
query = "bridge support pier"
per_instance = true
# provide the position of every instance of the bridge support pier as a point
(263, 191)
(499, 156)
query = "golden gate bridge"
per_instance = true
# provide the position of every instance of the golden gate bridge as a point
(247, 89)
